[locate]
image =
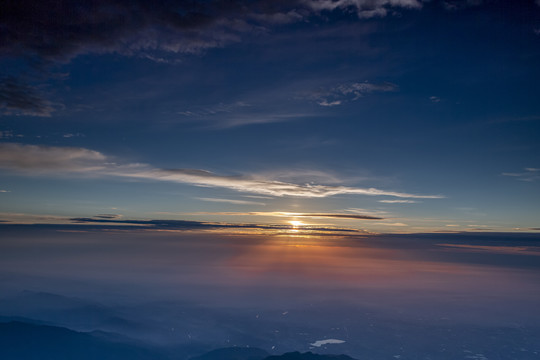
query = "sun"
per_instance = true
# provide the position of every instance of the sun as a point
(296, 223)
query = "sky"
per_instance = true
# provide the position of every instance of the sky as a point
(363, 116)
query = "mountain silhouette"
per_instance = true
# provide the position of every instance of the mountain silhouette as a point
(307, 356)
(24, 341)
(233, 353)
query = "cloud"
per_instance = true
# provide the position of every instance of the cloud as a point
(320, 343)
(510, 250)
(53, 32)
(530, 174)
(344, 93)
(70, 135)
(179, 225)
(434, 99)
(295, 214)
(331, 103)
(398, 201)
(460, 4)
(61, 29)
(32, 159)
(108, 216)
(239, 113)
(4, 191)
(37, 158)
(337, 216)
(19, 98)
(393, 224)
(367, 211)
(365, 8)
(231, 201)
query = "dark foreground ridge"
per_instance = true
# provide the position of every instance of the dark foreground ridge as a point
(308, 356)
(29, 341)
(24, 341)
(234, 353)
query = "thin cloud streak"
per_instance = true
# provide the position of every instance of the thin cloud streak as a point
(530, 174)
(294, 214)
(344, 93)
(185, 225)
(231, 201)
(32, 159)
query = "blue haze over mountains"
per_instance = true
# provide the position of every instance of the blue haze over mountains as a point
(461, 296)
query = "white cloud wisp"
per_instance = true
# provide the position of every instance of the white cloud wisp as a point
(33, 159)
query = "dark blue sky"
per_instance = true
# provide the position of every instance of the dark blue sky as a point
(422, 113)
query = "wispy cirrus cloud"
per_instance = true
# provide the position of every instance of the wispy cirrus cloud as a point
(529, 174)
(231, 201)
(33, 159)
(398, 201)
(285, 214)
(344, 93)
(241, 113)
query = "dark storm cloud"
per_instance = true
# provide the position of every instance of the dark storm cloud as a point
(19, 98)
(59, 30)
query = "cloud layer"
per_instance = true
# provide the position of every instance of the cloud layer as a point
(59, 30)
(33, 159)
(296, 215)
(176, 225)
